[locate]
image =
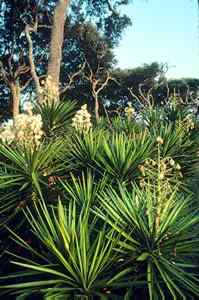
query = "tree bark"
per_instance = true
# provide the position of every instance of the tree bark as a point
(97, 117)
(57, 37)
(33, 71)
(15, 92)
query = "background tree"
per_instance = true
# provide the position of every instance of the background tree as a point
(13, 65)
(98, 59)
(57, 37)
(16, 75)
(127, 84)
(102, 14)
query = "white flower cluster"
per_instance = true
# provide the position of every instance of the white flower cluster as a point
(129, 111)
(49, 90)
(82, 120)
(6, 132)
(25, 130)
(187, 123)
(165, 169)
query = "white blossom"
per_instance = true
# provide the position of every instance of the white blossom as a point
(25, 130)
(129, 111)
(82, 120)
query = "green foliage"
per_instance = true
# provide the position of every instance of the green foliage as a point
(178, 128)
(148, 239)
(76, 261)
(24, 174)
(158, 234)
(179, 145)
(56, 116)
(109, 212)
(90, 26)
(125, 125)
(170, 114)
(84, 149)
(121, 154)
(84, 189)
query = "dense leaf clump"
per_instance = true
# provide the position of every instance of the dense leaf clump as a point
(105, 213)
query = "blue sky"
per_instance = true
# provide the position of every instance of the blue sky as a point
(162, 31)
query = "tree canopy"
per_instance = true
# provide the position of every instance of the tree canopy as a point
(93, 28)
(90, 26)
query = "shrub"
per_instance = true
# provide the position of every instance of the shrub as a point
(107, 209)
(158, 238)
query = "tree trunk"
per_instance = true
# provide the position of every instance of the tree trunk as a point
(57, 37)
(15, 92)
(97, 108)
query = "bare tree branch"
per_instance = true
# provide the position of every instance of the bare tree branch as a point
(72, 79)
(26, 84)
(28, 30)
(110, 7)
(104, 84)
(21, 70)
(134, 95)
(145, 98)
(97, 84)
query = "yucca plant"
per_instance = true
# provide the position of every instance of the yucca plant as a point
(158, 237)
(104, 123)
(151, 116)
(83, 189)
(56, 117)
(179, 145)
(24, 175)
(122, 153)
(24, 172)
(125, 125)
(168, 114)
(75, 263)
(84, 148)
(175, 113)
